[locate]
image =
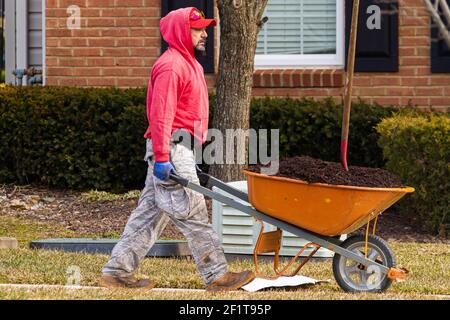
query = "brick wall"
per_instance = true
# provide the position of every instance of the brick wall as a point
(116, 45)
(119, 41)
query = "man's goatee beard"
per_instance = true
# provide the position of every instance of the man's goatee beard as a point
(200, 51)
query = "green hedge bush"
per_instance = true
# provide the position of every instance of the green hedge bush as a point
(91, 138)
(417, 148)
(72, 137)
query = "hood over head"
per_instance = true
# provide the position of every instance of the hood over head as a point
(176, 31)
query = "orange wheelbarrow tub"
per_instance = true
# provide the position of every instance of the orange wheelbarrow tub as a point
(328, 210)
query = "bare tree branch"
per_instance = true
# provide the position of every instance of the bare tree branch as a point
(433, 8)
(445, 10)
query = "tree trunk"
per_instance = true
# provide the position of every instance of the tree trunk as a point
(240, 22)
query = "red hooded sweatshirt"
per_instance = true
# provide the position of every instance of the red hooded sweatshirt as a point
(177, 94)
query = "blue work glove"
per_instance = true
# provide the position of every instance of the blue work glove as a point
(162, 170)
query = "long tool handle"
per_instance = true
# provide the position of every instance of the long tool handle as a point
(349, 84)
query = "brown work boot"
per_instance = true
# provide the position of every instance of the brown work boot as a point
(231, 281)
(108, 281)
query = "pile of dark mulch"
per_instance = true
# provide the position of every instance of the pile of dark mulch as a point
(318, 171)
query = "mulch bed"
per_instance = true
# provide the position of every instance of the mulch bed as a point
(71, 210)
(103, 218)
(318, 171)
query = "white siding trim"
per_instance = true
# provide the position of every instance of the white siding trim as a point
(22, 36)
(10, 41)
(43, 43)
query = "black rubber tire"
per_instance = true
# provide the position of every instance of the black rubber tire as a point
(373, 241)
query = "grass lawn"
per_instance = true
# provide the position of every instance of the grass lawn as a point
(428, 263)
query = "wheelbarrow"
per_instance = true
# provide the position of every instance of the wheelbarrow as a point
(319, 213)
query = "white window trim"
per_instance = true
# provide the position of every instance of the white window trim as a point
(279, 61)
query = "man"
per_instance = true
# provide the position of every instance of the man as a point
(177, 101)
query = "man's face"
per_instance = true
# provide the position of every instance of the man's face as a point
(199, 39)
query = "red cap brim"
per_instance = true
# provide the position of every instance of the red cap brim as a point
(203, 23)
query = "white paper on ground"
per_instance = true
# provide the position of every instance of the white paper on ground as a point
(295, 281)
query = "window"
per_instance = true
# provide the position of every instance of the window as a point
(2, 42)
(302, 33)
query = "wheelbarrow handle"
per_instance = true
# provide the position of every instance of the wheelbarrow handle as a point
(179, 179)
(183, 181)
(212, 182)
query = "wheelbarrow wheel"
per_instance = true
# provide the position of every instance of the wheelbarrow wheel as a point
(352, 276)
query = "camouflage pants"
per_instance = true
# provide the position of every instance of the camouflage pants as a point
(159, 202)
